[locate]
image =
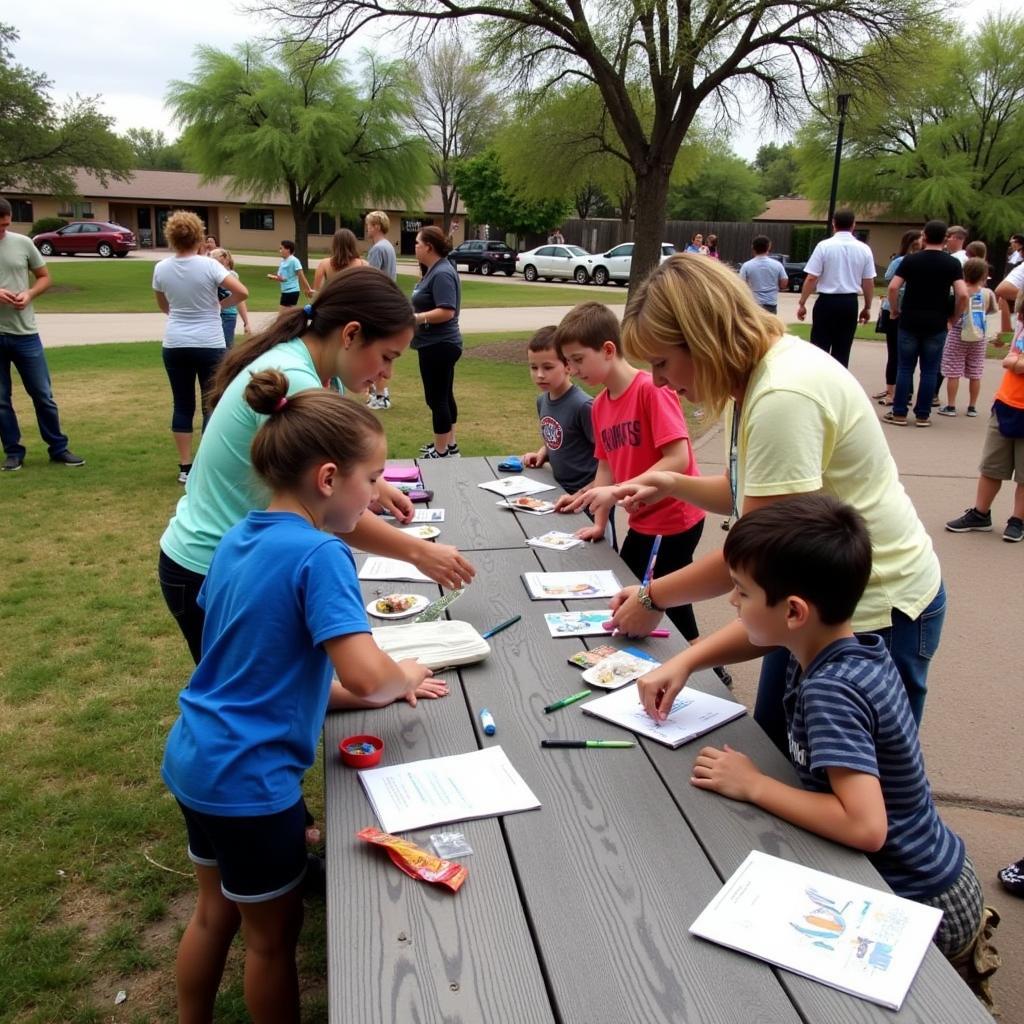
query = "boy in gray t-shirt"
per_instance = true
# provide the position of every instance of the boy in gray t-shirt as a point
(564, 411)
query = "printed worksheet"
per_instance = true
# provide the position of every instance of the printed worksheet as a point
(377, 568)
(577, 623)
(571, 586)
(508, 486)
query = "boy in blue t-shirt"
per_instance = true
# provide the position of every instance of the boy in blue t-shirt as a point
(799, 567)
(291, 276)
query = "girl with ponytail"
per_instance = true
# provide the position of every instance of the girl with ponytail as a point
(283, 613)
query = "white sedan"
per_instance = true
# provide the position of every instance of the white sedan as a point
(551, 261)
(615, 264)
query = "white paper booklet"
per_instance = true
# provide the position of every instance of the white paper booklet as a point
(423, 515)
(511, 485)
(693, 714)
(376, 568)
(556, 540)
(571, 586)
(859, 940)
(577, 623)
(480, 784)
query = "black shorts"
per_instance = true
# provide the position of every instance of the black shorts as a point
(259, 858)
(289, 298)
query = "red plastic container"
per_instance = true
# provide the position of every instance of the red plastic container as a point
(361, 760)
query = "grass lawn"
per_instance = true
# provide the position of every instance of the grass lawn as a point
(88, 690)
(125, 286)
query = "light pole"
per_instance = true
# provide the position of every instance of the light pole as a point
(842, 102)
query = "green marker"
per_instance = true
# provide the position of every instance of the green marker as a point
(589, 744)
(565, 701)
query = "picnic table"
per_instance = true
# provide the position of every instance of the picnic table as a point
(578, 911)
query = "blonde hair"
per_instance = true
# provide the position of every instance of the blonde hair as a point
(226, 253)
(704, 307)
(380, 218)
(184, 230)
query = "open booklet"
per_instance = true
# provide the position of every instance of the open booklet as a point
(569, 586)
(856, 939)
(512, 485)
(480, 784)
(693, 714)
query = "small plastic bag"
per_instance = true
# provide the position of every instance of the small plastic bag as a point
(450, 844)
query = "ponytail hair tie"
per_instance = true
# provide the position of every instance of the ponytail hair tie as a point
(281, 403)
(308, 310)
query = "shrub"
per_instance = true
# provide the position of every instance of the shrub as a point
(803, 240)
(47, 224)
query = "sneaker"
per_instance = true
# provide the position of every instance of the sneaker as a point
(377, 402)
(972, 519)
(896, 421)
(924, 423)
(935, 401)
(1014, 531)
(183, 472)
(971, 411)
(11, 464)
(1012, 878)
(68, 458)
(383, 402)
(724, 675)
(947, 410)
(425, 450)
(448, 453)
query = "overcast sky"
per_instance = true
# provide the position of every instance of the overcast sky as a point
(126, 51)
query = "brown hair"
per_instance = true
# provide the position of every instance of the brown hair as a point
(306, 429)
(362, 294)
(975, 270)
(908, 239)
(184, 230)
(704, 307)
(589, 324)
(543, 340)
(976, 249)
(344, 249)
(436, 239)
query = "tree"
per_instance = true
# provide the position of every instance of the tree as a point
(152, 152)
(490, 199)
(725, 188)
(41, 145)
(949, 145)
(452, 112)
(686, 56)
(779, 169)
(299, 125)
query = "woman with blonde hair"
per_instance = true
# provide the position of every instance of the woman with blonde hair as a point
(229, 316)
(186, 287)
(796, 422)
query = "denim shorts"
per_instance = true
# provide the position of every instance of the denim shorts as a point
(259, 858)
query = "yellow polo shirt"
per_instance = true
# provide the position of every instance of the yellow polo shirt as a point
(806, 425)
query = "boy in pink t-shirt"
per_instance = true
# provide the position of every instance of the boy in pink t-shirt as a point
(637, 427)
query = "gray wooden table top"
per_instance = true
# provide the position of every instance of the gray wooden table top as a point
(578, 911)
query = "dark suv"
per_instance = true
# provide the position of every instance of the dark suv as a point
(484, 257)
(794, 271)
(97, 236)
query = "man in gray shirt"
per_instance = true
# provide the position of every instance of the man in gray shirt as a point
(764, 275)
(381, 256)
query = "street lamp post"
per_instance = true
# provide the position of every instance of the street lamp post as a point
(842, 102)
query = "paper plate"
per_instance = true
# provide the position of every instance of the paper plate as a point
(423, 532)
(419, 603)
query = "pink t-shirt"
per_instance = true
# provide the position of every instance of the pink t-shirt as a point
(629, 433)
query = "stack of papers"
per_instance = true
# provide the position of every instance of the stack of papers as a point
(859, 940)
(513, 485)
(481, 784)
(377, 568)
(571, 586)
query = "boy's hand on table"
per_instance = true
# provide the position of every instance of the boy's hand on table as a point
(443, 564)
(726, 771)
(589, 533)
(415, 676)
(629, 616)
(429, 689)
(659, 688)
(534, 460)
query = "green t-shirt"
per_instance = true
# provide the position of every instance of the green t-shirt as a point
(18, 258)
(222, 486)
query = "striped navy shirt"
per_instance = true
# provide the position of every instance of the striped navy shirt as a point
(850, 710)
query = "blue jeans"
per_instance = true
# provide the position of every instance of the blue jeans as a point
(912, 643)
(910, 347)
(229, 323)
(25, 352)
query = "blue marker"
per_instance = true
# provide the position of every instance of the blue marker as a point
(487, 721)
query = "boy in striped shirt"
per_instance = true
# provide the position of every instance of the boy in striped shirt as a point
(799, 567)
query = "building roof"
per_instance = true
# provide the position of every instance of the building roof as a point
(798, 210)
(185, 187)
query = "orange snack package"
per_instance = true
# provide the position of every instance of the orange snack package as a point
(417, 863)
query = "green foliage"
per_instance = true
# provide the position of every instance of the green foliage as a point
(803, 240)
(47, 224)
(299, 125)
(42, 144)
(779, 169)
(491, 200)
(725, 187)
(152, 152)
(948, 144)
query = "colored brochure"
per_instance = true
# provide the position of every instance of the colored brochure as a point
(589, 658)
(693, 714)
(531, 506)
(859, 940)
(422, 515)
(556, 540)
(619, 668)
(439, 790)
(507, 486)
(577, 623)
(571, 586)
(377, 568)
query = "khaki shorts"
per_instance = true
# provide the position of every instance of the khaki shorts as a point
(1002, 458)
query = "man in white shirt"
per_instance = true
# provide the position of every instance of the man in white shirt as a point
(956, 239)
(840, 268)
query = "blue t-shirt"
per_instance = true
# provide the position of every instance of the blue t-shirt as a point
(288, 271)
(439, 288)
(850, 710)
(764, 276)
(254, 707)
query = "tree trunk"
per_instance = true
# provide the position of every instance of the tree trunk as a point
(651, 204)
(302, 235)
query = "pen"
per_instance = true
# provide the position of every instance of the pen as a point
(565, 701)
(589, 744)
(650, 561)
(501, 626)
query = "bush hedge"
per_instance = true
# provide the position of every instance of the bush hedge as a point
(47, 224)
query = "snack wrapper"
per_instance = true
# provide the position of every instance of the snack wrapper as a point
(417, 863)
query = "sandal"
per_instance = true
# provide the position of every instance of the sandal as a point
(881, 394)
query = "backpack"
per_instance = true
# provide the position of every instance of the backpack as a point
(974, 325)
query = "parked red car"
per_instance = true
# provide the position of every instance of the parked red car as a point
(97, 236)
